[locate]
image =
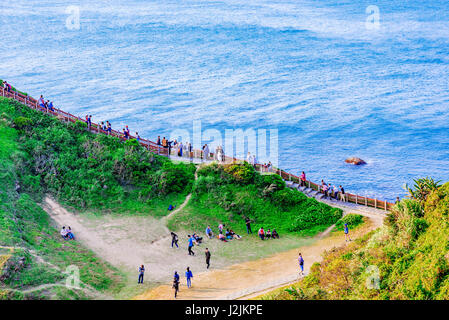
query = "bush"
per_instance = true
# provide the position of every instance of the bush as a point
(22, 122)
(315, 215)
(266, 180)
(288, 198)
(353, 220)
(242, 173)
(174, 178)
(79, 126)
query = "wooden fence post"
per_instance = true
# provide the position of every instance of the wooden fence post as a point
(356, 199)
(375, 203)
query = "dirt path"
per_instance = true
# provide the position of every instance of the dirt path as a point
(127, 242)
(251, 278)
(186, 201)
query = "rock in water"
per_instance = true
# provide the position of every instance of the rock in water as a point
(356, 161)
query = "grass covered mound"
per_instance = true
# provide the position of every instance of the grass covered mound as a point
(229, 193)
(406, 259)
(352, 220)
(39, 254)
(86, 170)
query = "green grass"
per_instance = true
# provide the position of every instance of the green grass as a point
(227, 194)
(353, 220)
(24, 224)
(407, 257)
(88, 171)
(98, 175)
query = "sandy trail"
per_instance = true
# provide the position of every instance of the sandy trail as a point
(251, 278)
(127, 242)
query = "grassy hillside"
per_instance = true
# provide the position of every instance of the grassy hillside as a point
(39, 249)
(408, 255)
(85, 170)
(228, 193)
(102, 175)
(80, 169)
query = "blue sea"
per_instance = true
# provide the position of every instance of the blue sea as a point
(333, 87)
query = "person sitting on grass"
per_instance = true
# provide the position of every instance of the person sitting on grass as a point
(234, 235)
(209, 232)
(70, 234)
(228, 235)
(197, 238)
(268, 234)
(64, 233)
(222, 237)
(274, 234)
(261, 233)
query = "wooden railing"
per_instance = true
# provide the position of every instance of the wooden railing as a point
(197, 154)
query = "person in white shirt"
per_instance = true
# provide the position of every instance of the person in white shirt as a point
(64, 232)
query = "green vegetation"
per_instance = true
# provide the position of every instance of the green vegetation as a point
(44, 155)
(84, 170)
(25, 225)
(228, 193)
(353, 221)
(405, 259)
(101, 175)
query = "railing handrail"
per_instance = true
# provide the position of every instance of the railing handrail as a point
(154, 147)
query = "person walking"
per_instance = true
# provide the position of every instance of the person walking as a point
(248, 225)
(347, 233)
(176, 286)
(189, 277)
(174, 239)
(207, 254)
(176, 283)
(141, 272)
(191, 253)
(303, 179)
(301, 264)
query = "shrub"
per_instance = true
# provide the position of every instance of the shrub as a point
(22, 122)
(288, 198)
(353, 220)
(242, 172)
(174, 178)
(79, 126)
(266, 180)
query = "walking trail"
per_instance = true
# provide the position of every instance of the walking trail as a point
(127, 242)
(252, 278)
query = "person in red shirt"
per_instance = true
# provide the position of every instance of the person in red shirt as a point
(261, 233)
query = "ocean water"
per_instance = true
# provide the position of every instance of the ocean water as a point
(311, 69)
